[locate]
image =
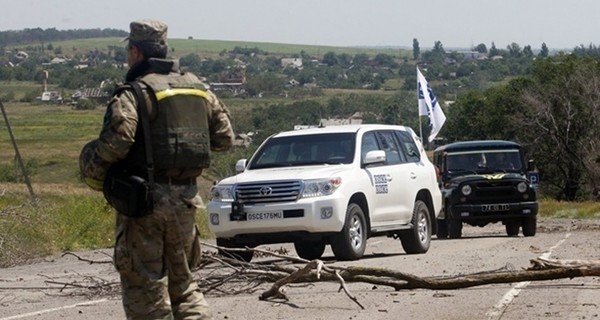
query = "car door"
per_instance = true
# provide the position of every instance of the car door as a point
(389, 203)
(421, 173)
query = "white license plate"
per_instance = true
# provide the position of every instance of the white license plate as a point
(495, 207)
(273, 215)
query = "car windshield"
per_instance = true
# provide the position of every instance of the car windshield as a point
(484, 161)
(302, 150)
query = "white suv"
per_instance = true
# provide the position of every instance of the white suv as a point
(337, 185)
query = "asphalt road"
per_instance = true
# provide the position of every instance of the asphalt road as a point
(38, 291)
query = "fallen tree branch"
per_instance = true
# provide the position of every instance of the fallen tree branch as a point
(316, 271)
(221, 275)
(84, 259)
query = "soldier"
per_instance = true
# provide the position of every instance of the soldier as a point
(154, 253)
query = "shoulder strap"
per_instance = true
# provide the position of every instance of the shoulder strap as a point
(144, 118)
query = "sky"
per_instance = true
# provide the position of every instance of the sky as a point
(561, 24)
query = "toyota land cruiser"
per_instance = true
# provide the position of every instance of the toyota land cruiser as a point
(333, 186)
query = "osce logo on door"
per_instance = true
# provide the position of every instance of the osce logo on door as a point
(381, 183)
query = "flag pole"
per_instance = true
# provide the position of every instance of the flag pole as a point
(419, 114)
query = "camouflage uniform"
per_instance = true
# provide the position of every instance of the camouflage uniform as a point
(154, 254)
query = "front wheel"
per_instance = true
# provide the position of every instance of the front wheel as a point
(529, 226)
(442, 228)
(454, 228)
(310, 250)
(512, 228)
(350, 243)
(418, 239)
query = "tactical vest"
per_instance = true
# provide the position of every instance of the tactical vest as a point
(179, 127)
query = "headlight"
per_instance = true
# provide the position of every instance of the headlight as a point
(522, 187)
(320, 187)
(466, 190)
(222, 193)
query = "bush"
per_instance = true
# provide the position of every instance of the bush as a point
(85, 104)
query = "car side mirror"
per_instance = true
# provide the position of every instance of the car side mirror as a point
(240, 165)
(375, 156)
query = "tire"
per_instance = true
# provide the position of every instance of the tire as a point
(442, 229)
(454, 228)
(309, 250)
(350, 243)
(238, 255)
(512, 227)
(418, 239)
(529, 226)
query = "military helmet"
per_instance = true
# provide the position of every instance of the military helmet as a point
(91, 167)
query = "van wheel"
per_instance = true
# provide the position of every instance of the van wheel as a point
(442, 228)
(238, 255)
(512, 227)
(309, 250)
(418, 239)
(529, 226)
(454, 228)
(350, 243)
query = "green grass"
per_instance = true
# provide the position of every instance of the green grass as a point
(60, 219)
(571, 210)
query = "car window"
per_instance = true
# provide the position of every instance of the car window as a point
(299, 150)
(408, 146)
(503, 160)
(368, 143)
(393, 155)
(463, 161)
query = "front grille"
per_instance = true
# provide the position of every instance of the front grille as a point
(496, 191)
(268, 192)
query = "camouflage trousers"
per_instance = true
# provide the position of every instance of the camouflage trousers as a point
(154, 255)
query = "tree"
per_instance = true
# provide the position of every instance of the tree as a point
(438, 47)
(385, 60)
(416, 49)
(360, 59)
(330, 58)
(481, 48)
(544, 51)
(493, 50)
(514, 50)
(527, 52)
(562, 117)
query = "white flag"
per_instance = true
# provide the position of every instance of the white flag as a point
(429, 106)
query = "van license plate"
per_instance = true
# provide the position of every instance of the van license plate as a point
(273, 215)
(495, 207)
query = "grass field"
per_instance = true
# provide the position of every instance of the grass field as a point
(182, 47)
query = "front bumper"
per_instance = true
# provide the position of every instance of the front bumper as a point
(495, 211)
(305, 215)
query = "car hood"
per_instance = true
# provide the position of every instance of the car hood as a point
(287, 173)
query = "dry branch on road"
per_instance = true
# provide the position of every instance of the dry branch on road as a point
(222, 276)
(290, 272)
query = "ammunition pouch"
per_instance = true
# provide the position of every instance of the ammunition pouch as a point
(129, 194)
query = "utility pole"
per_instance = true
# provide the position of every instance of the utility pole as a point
(17, 154)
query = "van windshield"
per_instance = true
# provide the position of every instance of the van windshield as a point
(484, 161)
(303, 150)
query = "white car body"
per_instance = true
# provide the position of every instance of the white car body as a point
(277, 204)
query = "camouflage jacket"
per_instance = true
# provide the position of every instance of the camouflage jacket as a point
(121, 118)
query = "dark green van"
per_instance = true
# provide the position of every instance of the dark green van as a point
(483, 182)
